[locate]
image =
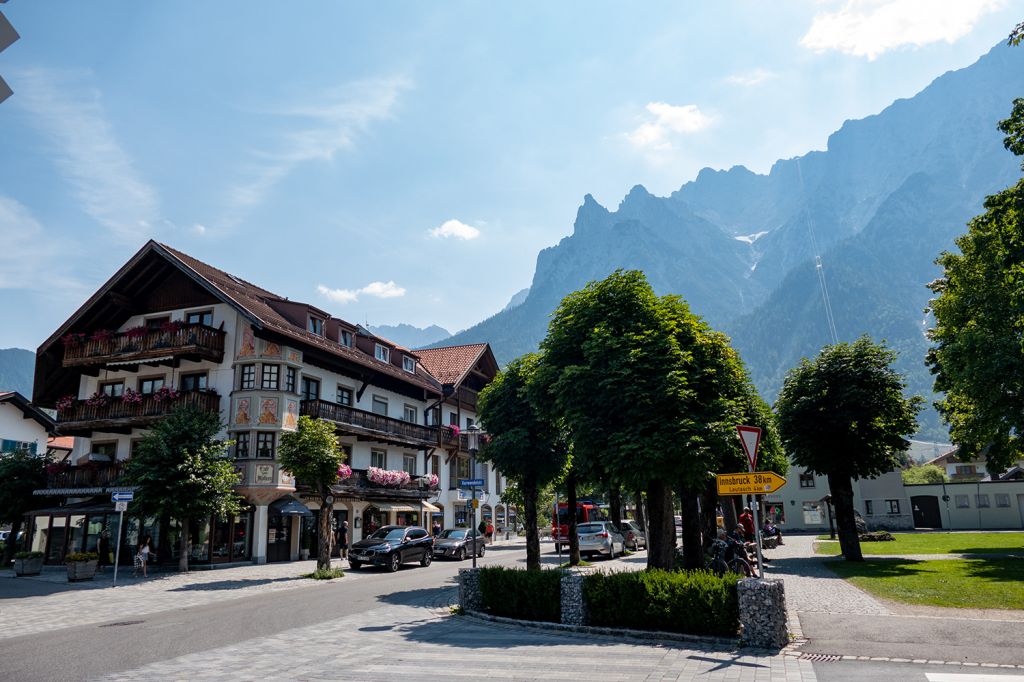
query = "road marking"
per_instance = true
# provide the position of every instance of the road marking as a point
(971, 677)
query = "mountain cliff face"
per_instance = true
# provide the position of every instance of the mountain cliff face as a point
(890, 192)
(410, 336)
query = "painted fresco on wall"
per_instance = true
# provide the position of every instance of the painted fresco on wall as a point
(268, 411)
(271, 350)
(285, 478)
(294, 356)
(291, 415)
(248, 347)
(242, 411)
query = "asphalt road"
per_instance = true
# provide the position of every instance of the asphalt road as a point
(92, 650)
(858, 671)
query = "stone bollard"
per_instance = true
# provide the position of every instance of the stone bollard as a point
(763, 613)
(574, 611)
(470, 597)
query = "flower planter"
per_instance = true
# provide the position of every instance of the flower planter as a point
(81, 570)
(30, 566)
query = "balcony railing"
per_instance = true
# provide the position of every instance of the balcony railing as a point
(196, 340)
(370, 424)
(116, 413)
(91, 475)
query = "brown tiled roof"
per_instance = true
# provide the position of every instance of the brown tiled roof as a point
(451, 363)
(61, 442)
(29, 410)
(254, 301)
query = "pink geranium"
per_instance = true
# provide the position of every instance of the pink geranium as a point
(344, 471)
(386, 477)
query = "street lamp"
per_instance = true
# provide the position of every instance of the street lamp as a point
(473, 444)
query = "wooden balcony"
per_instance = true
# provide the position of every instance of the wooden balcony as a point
(360, 486)
(92, 475)
(186, 341)
(117, 416)
(372, 426)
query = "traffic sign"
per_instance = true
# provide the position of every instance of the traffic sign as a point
(471, 482)
(752, 483)
(750, 438)
(123, 496)
(121, 505)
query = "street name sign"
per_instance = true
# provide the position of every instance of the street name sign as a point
(471, 482)
(125, 496)
(752, 483)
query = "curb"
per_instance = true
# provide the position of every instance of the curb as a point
(729, 643)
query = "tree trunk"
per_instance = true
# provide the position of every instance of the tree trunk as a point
(574, 539)
(661, 531)
(183, 546)
(693, 552)
(615, 505)
(324, 535)
(641, 509)
(842, 499)
(729, 515)
(10, 547)
(709, 513)
(532, 536)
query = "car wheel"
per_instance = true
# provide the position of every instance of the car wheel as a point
(394, 561)
(481, 554)
(355, 565)
(427, 558)
(461, 556)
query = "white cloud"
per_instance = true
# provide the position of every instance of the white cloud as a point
(668, 119)
(751, 78)
(30, 259)
(321, 129)
(454, 228)
(377, 289)
(868, 28)
(199, 229)
(65, 108)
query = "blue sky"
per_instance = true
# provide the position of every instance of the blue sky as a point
(405, 162)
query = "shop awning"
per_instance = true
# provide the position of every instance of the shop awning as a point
(288, 506)
(431, 508)
(386, 507)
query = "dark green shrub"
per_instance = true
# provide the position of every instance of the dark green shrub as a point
(27, 555)
(518, 593)
(694, 602)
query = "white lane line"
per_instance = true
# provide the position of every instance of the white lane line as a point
(970, 677)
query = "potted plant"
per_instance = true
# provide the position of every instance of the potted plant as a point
(81, 565)
(28, 563)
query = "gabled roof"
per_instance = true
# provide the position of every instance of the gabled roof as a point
(451, 364)
(29, 411)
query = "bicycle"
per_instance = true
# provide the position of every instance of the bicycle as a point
(717, 564)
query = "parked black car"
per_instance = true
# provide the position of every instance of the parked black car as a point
(457, 543)
(392, 546)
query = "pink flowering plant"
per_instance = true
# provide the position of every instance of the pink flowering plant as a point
(131, 397)
(165, 394)
(135, 332)
(344, 472)
(432, 480)
(453, 431)
(97, 399)
(65, 403)
(102, 335)
(73, 339)
(386, 477)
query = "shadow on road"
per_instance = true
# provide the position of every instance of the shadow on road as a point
(217, 585)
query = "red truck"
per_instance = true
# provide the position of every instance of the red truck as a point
(586, 510)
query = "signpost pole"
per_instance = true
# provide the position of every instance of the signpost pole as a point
(472, 523)
(117, 552)
(120, 500)
(757, 532)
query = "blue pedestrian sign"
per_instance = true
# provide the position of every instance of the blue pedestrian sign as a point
(122, 496)
(471, 482)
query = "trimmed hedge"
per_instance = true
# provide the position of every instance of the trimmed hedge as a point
(692, 602)
(522, 594)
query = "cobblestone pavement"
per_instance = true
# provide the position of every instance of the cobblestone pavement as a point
(98, 601)
(424, 643)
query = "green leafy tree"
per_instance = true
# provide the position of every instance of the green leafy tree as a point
(312, 455)
(978, 357)
(925, 473)
(647, 389)
(1016, 35)
(21, 473)
(181, 469)
(844, 415)
(527, 447)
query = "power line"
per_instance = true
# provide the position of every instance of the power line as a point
(818, 265)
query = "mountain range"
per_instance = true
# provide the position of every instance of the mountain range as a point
(410, 336)
(754, 254)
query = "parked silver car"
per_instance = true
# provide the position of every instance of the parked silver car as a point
(634, 537)
(600, 537)
(457, 543)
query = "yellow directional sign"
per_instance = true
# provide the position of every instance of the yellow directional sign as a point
(753, 483)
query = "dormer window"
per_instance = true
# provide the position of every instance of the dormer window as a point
(316, 325)
(408, 364)
(382, 353)
(345, 338)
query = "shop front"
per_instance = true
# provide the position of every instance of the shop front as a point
(281, 525)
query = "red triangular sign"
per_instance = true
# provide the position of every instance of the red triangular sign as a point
(750, 438)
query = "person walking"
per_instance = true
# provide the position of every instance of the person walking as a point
(436, 529)
(103, 550)
(482, 530)
(142, 557)
(343, 539)
(746, 521)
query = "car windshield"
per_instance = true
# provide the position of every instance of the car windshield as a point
(454, 533)
(389, 534)
(590, 528)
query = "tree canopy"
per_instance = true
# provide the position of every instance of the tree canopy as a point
(978, 357)
(21, 473)
(925, 473)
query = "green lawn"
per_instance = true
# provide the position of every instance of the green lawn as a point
(958, 583)
(936, 543)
